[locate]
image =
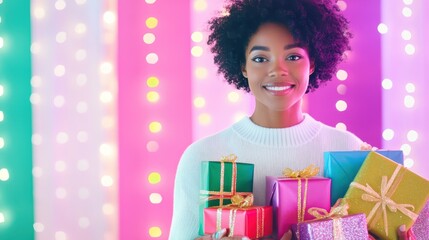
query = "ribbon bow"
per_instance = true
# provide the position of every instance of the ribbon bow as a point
(242, 202)
(307, 172)
(230, 158)
(338, 210)
(383, 200)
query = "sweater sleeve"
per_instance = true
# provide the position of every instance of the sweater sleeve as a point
(184, 225)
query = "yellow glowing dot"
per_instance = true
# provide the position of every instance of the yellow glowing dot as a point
(152, 82)
(1, 116)
(150, 1)
(107, 181)
(382, 28)
(154, 178)
(61, 37)
(107, 149)
(388, 134)
(152, 146)
(406, 148)
(197, 51)
(410, 88)
(412, 136)
(406, 35)
(109, 17)
(342, 5)
(62, 137)
(38, 227)
(341, 105)
(2, 218)
(1, 90)
(35, 98)
(155, 198)
(342, 75)
(152, 96)
(407, 12)
(341, 126)
(155, 127)
(106, 67)
(80, 28)
(60, 4)
(155, 232)
(106, 97)
(39, 12)
(204, 119)
(387, 84)
(408, 163)
(4, 174)
(80, 54)
(233, 97)
(197, 37)
(149, 38)
(201, 72)
(59, 101)
(108, 209)
(151, 22)
(341, 89)
(152, 58)
(410, 49)
(35, 48)
(409, 101)
(59, 70)
(1, 142)
(199, 102)
(200, 5)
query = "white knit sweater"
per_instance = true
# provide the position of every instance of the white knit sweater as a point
(269, 149)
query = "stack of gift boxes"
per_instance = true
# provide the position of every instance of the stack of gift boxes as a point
(360, 192)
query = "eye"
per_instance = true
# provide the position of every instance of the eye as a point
(259, 59)
(293, 57)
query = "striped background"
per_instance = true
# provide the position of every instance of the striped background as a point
(98, 99)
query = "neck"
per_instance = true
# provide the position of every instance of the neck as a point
(277, 119)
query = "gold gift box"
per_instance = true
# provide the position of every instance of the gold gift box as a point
(389, 194)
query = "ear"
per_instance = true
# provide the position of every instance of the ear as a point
(312, 67)
(244, 71)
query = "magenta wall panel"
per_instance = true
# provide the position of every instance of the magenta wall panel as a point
(362, 89)
(153, 41)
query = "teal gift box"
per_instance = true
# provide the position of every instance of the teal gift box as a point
(220, 180)
(342, 167)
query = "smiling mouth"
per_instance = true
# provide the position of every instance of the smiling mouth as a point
(279, 90)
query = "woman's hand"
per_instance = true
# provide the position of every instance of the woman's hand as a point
(403, 234)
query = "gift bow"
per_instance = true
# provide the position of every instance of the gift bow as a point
(383, 200)
(241, 202)
(230, 158)
(307, 172)
(336, 211)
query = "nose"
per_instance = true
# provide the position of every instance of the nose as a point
(278, 69)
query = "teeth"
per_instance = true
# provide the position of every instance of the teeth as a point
(277, 88)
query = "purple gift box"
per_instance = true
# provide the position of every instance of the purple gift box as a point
(421, 226)
(351, 227)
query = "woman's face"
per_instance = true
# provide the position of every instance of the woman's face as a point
(277, 68)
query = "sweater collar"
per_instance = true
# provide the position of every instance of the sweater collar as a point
(278, 137)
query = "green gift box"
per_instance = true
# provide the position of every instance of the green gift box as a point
(342, 167)
(220, 180)
(389, 194)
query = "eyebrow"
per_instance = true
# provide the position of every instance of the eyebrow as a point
(263, 48)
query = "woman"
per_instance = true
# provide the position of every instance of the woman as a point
(278, 50)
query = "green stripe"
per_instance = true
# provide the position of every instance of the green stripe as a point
(16, 194)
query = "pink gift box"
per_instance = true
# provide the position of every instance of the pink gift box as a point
(253, 222)
(283, 194)
(421, 226)
(347, 227)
